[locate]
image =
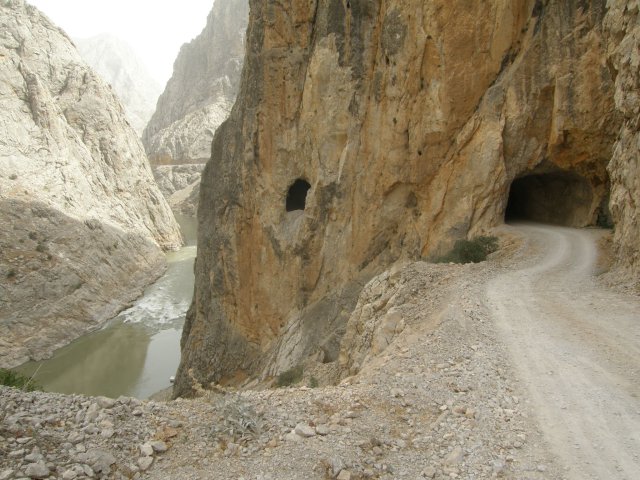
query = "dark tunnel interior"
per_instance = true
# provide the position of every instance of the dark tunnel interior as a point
(559, 198)
(297, 195)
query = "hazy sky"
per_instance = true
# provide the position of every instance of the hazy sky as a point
(155, 29)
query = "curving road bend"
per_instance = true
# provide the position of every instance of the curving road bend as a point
(576, 346)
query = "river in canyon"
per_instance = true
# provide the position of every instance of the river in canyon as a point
(137, 352)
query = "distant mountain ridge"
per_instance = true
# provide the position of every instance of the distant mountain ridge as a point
(119, 65)
(202, 89)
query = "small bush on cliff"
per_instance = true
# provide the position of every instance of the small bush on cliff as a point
(9, 378)
(237, 421)
(290, 377)
(470, 251)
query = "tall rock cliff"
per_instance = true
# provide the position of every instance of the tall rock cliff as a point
(82, 222)
(368, 132)
(180, 184)
(201, 92)
(117, 63)
(623, 25)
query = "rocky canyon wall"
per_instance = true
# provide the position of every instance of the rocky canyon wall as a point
(202, 89)
(369, 132)
(623, 25)
(82, 222)
(180, 184)
(119, 66)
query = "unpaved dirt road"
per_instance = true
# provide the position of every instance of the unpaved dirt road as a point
(576, 347)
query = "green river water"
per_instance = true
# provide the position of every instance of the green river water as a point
(137, 352)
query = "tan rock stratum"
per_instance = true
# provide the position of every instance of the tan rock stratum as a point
(622, 23)
(412, 124)
(82, 222)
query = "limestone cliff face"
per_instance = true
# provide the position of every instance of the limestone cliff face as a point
(180, 184)
(412, 123)
(201, 92)
(623, 25)
(82, 222)
(116, 62)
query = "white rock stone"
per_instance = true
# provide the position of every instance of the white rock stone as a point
(92, 412)
(455, 456)
(69, 475)
(292, 436)
(100, 460)
(105, 402)
(34, 457)
(144, 463)
(429, 472)
(304, 430)
(159, 446)
(37, 470)
(146, 449)
(344, 475)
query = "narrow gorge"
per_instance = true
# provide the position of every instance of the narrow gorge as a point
(196, 100)
(201, 91)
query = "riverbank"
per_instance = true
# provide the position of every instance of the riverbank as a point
(135, 353)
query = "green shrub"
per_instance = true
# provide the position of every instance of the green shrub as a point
(470, 251)
(41, 247)
(290, 377)
(9, 378)
(313, 382)
(12, 273)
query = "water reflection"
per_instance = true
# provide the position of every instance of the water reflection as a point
(189, 229)
(137, 352)
(107, 362)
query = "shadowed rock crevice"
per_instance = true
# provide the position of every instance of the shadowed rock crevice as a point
(297, 195)
(560, 198)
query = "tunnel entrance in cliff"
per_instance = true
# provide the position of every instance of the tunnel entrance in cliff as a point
(297, 195)
(559, 198)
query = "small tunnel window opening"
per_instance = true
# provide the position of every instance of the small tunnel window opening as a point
(560, 198)
(297, 195)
